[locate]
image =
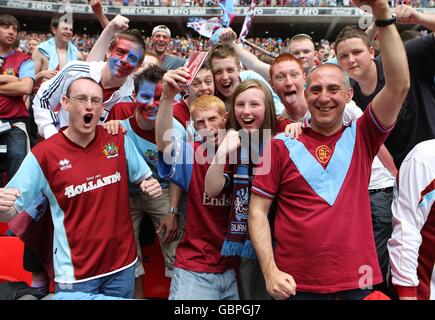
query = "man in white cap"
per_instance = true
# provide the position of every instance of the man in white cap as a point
(160, 38)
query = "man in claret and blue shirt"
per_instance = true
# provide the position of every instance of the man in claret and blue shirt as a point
(200, 272)
(83, 172)
(324, 239)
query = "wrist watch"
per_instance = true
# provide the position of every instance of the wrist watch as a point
(175, 211)
(386, 22)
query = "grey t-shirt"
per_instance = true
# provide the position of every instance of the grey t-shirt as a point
(172, 62)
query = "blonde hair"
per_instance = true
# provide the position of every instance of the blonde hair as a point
(207, 102)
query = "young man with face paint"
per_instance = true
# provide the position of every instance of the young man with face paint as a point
(83, 171)
(200, 271)
(320, 185)
(164, 210)
(124, 55)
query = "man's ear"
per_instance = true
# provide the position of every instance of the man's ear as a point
(372, 52)
(65, 103)
(349, 94)
(227, 116)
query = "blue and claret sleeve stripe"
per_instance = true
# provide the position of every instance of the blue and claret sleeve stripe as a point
(177, 168)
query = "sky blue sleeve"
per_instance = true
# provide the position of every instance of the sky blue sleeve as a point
(138, 169)
(178, 168)
(30, 181)
(27, 70)
(178, 130)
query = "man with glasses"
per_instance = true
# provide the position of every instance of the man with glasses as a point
(83, 172)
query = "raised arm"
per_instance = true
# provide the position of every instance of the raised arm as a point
(97, 8)
(173, 81)
(408, 15)
(117, 24)
(247, 58)
(388, 102)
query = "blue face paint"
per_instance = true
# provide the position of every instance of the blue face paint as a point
(124, 58)
(148, 99)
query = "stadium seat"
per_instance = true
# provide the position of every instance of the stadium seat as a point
(155, 283)
(11, 259)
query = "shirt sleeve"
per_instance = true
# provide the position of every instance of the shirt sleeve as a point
(138, 169)
(410, 207)
(178, 167)
(27, 70)
(371, 132)
(30, 181)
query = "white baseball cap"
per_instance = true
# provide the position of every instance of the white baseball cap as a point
(162, 28)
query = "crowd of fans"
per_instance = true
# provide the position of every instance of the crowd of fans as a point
(179, 45)
(260, 3)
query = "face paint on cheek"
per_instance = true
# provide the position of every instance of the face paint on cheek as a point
(124, 65)
(145, 100)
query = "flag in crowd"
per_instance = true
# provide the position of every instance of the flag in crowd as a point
(204, 27)
(248, 20)
(228, 12)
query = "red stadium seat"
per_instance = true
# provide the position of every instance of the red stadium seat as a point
(11, 259)
(155, 283)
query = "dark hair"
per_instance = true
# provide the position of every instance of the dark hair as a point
(132, 35)
(153, 73)
(8, 20)
(350, 32)
(205, 66)
(54, 23)
(222, 51)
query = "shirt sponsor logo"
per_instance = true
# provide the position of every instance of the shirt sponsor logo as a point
(323, 154)
(64, 164)
(111, 150)
(72, 191)
(221, 201)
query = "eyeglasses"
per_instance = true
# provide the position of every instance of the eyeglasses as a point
(82, 100)
(301, 36)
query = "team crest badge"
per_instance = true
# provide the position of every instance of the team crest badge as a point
(110, 150)
(323, 154)
(9, 71)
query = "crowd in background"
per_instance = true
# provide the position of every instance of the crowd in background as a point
(260, 3)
